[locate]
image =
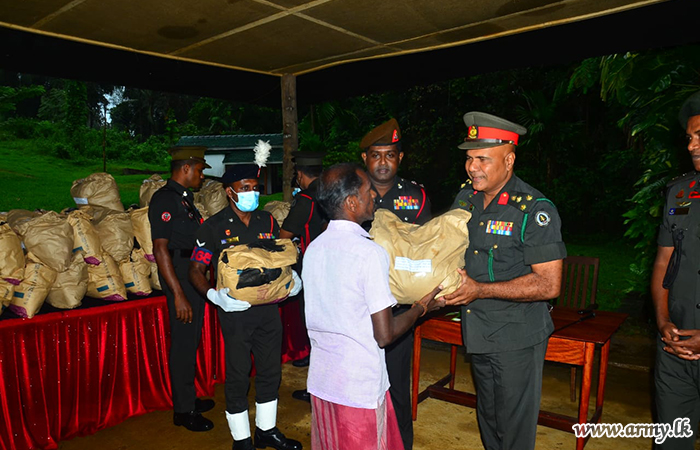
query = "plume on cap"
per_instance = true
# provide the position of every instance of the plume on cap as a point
(262, 152)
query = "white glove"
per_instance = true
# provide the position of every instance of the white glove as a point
(227, 303)
(297, 284)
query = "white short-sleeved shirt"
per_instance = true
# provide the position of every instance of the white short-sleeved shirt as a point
(346, 280)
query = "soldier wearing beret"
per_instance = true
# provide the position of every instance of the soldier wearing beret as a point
(174, 221)
(513, 266)
(675, 290)
(246, 330)
(306, 221)
(382, 154)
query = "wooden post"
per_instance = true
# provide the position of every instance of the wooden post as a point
(290, 127)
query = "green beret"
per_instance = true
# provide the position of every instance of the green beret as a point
(192, 152)
(387, 133)
(690, 108)
(486, 130)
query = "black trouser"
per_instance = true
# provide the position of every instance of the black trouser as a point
(257, 330)
(184, 338)
(508, 392)
(398, 364)
(677, 395)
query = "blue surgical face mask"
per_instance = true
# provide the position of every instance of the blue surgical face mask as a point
(247, 201)
(295, 191)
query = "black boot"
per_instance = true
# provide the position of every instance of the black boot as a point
(243, 444)
(275, 439)
(193, 421)
(302, 394)
(202, 405)
(303, 362)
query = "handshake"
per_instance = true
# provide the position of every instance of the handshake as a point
(222, 298)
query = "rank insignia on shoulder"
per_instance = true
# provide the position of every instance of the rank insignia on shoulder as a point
(522, 207)
(542, 218)
(529, 198)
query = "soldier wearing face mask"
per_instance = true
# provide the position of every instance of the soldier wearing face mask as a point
(246, 330)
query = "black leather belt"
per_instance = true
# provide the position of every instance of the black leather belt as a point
(181, 253)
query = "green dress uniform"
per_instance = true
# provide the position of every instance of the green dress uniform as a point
(677, 380)
(508, 339)
(409, 202)
(174, 217)
(257, 329)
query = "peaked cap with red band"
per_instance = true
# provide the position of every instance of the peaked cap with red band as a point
(486, 130)
(387, 133)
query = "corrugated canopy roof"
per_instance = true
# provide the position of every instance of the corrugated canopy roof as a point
(238, 48)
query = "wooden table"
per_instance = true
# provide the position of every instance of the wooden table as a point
(574, 344)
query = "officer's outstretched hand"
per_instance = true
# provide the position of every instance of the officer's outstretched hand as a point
(225, 301)
(297, 284)
(465, 293)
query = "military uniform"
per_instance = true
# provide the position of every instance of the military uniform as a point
(677, 380)
(406, 199)
(409, 202)
(258, 329)
(305, 218)
(174, 217)
(508, 339)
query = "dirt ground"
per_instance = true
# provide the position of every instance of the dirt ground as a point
(440, 425)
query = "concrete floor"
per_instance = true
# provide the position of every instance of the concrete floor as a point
(440, 425)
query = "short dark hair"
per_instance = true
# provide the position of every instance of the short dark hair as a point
(310, 171)
(177, 164)
(337, 183)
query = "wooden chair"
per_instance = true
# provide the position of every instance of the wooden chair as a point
(579, 285)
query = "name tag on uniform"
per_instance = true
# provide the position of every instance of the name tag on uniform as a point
(678, 211)
(499, 227)
(405, 202)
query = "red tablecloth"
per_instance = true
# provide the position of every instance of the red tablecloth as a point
(72, 373)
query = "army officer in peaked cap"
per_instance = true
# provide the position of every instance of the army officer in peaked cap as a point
(513, 266)
(174, 221)
(382, 154)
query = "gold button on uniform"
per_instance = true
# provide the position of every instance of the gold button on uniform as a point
(495, 246)
(481, 224)
(476, 252)
(469, 311)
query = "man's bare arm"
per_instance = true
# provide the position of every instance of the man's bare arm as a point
(198, 277)
(167, 270)
(543, 283)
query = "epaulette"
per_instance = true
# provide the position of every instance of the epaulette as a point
(418, 184)
(679, 178)
(522, 201)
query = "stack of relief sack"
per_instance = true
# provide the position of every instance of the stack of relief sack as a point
(61, 257)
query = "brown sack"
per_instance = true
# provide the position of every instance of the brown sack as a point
(7, 289)
(154, 278)
(148, 188)
(19, 218)
(202, 210)
(117, 235)
(422, 257)
(241, 257)
(142, 231)
(49, 238)
(279, 210)
(29, 296)
(212, 196)
(98, 189)
(86, 240)
(70, 286)
(135, 272)
(11, 255)
(105, 281)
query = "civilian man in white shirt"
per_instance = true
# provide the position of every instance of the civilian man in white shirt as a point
(348, 316)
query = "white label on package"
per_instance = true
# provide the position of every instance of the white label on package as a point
(418, 266)
(80, 200)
